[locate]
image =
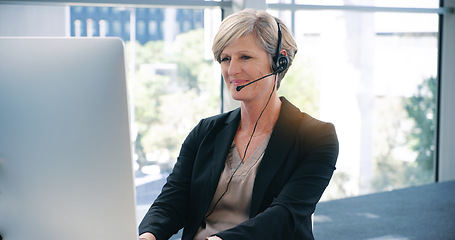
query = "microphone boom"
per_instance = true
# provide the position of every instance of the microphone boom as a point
(238, 88)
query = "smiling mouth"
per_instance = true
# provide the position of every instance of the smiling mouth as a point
(239, 82)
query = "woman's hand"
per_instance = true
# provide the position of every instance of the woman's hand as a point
(214, 238)
(147, 236)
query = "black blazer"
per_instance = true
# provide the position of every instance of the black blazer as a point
(294, 172)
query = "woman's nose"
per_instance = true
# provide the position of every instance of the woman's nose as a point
(234, 67)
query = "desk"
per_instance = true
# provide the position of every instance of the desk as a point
(423, 212)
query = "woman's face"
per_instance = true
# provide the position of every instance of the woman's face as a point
(245, 61)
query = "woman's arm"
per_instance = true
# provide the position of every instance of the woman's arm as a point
(166, 215)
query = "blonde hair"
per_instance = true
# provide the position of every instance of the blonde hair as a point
(264, 26)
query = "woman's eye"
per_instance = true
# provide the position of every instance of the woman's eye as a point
(246, 57)
(224, 59)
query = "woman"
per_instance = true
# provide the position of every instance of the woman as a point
(256, 172)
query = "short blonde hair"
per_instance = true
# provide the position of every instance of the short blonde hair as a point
(264, 26)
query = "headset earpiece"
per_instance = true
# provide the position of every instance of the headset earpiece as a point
(281, 61)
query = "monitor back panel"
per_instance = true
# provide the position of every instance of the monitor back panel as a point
(65, 153)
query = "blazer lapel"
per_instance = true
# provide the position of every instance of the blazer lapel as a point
(275, 156)
(222, 144)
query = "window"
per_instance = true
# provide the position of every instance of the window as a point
(126, 27)
(140, 27)
(373, 75)
(116, 28)
(153, 28)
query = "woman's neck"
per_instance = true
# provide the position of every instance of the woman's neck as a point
(250, 113)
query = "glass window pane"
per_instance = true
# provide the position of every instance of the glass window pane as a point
(372, 75)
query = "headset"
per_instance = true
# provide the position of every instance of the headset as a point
(281, 61)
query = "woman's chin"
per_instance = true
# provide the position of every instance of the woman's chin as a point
(237, 95)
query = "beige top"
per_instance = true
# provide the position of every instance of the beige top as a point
(234, 207)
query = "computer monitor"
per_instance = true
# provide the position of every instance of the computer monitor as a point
(65, 154)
